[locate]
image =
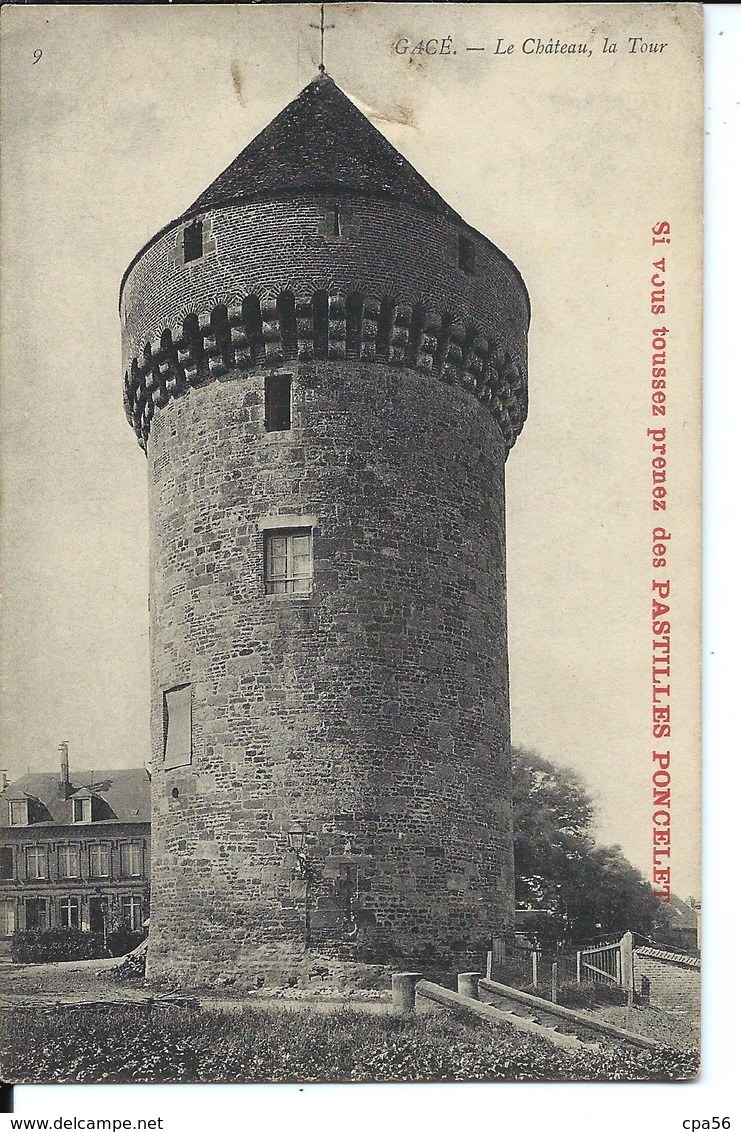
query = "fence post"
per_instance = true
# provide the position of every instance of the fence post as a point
(468, 984)
(403, 990)
(534, 958)
(626, 965)
(578, 966)
(498, 949)
(554, 981)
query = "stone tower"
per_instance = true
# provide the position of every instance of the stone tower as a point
(326, 367)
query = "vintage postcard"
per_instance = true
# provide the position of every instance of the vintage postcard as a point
(351, 376)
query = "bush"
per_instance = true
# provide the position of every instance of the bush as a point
(582, 995)
(65, 944)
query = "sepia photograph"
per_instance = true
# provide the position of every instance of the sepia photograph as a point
(351, 387)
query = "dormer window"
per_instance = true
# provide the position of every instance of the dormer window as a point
(193, 241)
(82, 810)
(18, 811)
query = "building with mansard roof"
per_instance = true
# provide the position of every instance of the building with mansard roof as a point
(74, 850)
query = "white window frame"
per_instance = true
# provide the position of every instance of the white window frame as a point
(18, 806)
(103, 851)
(129, 907)
(132, 849)
(72, 852)
(86, 811)
(291, 583)
(66, 904)
(39, 854)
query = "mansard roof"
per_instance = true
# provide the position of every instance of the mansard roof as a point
(320, 142)
(126, 794)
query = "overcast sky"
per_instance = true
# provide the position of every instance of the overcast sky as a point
(563, 161)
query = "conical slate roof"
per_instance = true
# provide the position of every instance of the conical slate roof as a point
(320, 142)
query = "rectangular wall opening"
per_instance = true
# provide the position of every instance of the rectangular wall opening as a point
(177, 725)
(277, 402)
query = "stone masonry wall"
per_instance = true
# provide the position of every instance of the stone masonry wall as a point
(373, 713)
(388, 249)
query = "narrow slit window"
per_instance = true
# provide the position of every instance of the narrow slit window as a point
(177, 727)
(320, 312)
(354, 325)
(193, 241)
(336, 220)
(278, 402)
(288, 562)
(466, 255)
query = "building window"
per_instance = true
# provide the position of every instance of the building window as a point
(36, 914)
(193, 241)
(82, 810)
(69, 912)
(177, 727)
(466, 255)
(277, 402)
(288, 562)
(36, 860)
(131, 860)
(6, 863)
(131, 909)
(7, 918)
(100, 861)
(69, 861)
(18, 812)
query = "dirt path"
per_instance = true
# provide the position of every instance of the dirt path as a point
(90, 981)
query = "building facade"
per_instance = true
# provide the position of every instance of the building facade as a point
(74, 853)
(326, 368)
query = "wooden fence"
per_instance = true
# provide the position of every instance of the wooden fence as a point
(603, 963)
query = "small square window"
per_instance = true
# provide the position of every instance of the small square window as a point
(193, 241)
(466, 255)
(288, 562)
(277, 402)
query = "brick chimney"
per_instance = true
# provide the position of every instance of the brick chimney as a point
(4, 781)
(63, 787)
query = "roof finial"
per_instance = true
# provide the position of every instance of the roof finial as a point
(321, 27)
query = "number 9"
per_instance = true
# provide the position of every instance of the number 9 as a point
(37, 55)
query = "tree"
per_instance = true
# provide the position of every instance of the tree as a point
(580, 889)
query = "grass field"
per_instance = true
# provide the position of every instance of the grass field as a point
(178, 1044)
